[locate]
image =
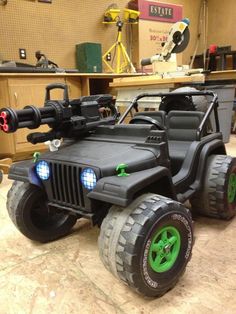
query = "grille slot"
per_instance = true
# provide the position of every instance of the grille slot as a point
(66, 186)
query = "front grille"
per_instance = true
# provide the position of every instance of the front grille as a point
(66, 186)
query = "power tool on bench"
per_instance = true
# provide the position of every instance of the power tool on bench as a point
(177, 41)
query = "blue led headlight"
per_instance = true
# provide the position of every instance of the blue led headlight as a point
(43, 170)
(88, 178)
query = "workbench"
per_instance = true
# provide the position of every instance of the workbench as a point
(221, 76)
(20, 89)
(127, 88)
(150, 80)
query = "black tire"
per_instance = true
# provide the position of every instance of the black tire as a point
(27, 208)
(194, 103)
(128, 233)
(199, 102)
(171, 102)
(213, 199)
(1, 176)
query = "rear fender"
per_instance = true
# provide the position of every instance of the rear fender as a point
(215, 147)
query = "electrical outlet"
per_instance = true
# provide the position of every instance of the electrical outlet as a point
(22, 53)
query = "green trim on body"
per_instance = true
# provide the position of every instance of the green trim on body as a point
(121, 168)
(232, 188)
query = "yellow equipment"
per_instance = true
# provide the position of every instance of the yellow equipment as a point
(111, 15)
(131, 16)
(120, 58)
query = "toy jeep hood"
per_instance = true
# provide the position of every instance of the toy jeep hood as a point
(105, 155)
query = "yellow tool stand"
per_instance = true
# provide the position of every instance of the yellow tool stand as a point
(120, 58)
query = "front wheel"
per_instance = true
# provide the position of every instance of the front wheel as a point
(1, 176)
(148, 244)
(27, 208)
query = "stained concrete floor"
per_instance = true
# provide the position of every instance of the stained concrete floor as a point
(67, 276)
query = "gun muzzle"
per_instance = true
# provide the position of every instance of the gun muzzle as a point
(4, 121)
(30, 117)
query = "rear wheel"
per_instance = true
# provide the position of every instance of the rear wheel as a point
(217, 197)
(148, 244)
(28, 209)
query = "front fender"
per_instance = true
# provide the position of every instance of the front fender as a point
(121, 190)
(24, 171)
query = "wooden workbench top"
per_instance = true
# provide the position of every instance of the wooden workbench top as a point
(63, 74)
(155, 80)
(135, 79)
(221, 75)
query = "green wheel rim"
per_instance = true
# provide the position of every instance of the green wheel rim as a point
(164, 249)
(232, 188)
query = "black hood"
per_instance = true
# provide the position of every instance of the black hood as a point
(105, 156)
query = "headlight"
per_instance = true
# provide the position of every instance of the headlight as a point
(88, 178)
(43, 170)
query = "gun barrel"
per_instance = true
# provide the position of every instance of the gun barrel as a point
(30, 117)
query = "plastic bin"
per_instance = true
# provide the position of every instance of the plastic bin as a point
(89, 57)
(225, 95)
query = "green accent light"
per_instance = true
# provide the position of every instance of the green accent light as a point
(164, 249)
(36, 156)
(121, 168)
(232, 188)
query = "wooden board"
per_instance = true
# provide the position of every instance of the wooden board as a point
(221, 75)
(156, 80)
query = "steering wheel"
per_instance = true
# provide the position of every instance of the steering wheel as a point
(141, 119)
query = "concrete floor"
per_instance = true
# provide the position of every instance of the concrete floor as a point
(67, 276)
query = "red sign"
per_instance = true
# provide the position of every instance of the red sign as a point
(162, 12)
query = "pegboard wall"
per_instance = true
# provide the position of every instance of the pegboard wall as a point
(53, 28)
(56, 28)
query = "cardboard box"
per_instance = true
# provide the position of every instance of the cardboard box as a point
(152, 31)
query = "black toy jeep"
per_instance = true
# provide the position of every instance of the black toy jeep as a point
(130, 179)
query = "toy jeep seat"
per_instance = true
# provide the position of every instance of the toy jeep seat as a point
(182, 125)
(182, 131)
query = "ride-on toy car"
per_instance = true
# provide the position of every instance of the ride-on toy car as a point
(130, 179)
